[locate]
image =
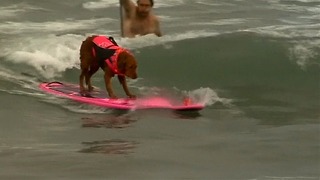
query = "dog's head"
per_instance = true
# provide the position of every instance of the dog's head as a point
(127, 64)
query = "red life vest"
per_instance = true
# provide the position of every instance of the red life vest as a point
(105, 43)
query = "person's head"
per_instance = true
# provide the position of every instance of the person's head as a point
(144, 7)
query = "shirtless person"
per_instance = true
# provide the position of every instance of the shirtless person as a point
(138, 19)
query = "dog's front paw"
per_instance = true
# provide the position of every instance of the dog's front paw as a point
(90, 88)
(112, 96)
(131, 96)
(85, 94)
(82, 90)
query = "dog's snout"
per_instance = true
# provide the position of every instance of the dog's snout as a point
(134, 76)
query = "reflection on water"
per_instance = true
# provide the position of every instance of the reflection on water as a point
(186, 114)
(118, 146)
(112, 146)
(125, 120)
(158, 113)
(108, 121)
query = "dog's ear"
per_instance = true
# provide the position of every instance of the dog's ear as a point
(127, 64)
(122, 60)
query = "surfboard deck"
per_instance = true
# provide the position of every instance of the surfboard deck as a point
(100, 98)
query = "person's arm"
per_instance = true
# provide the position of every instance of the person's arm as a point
(157, 30)
(128, 7)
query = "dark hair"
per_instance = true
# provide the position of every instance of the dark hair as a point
(151, 2)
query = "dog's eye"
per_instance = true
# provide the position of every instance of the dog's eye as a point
(132, 67)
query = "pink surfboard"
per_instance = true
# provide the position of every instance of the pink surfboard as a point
(99, 98)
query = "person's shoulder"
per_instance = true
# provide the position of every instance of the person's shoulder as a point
(154, 18)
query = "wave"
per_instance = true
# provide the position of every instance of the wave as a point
(50, 55)
(229, 59)
(102, 4)
(304, 40)
(17, 10)
(288, 31)
(306, 54)
(52, 26)
(47, 49)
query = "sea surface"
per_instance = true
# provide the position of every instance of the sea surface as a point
(254, 64)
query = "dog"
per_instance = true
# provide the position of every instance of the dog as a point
(103, 52)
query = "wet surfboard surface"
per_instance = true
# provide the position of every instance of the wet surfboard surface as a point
(100, 98)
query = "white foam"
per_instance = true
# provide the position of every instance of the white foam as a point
(215, 3)
(168, 3)
(308, 1)
(100, 4)
(16, 9)
(222, 22)
(49, 55)
(207, 96)
(51, 26)
(277, 5)
(305, 53)
(152, 40)
(289, 31)
(9, 11)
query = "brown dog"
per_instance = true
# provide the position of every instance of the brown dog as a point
(103, 52)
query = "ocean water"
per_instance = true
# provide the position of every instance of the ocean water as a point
(254, 64)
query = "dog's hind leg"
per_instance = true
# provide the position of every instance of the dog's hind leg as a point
(93, 69)
(83, 74)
